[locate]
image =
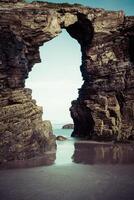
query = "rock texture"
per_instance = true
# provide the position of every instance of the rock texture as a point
(23, 134)
(105, 106)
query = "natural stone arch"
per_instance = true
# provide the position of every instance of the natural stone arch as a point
(107, 70)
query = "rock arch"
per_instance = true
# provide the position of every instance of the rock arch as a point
(105, 103)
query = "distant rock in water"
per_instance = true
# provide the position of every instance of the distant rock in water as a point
(68, 126)
(61, 138)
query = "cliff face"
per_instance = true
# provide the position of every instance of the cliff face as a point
(105, 106)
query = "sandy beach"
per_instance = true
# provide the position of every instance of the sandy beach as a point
(96, 182)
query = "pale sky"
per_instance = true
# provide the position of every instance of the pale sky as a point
(55, 81)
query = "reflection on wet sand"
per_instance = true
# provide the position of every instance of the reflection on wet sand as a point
(45, 160)
(84, 152)
(87, 152)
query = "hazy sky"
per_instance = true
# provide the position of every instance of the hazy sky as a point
(55, 81)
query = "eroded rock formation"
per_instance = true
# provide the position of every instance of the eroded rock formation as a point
(23, 134)
(105, 106)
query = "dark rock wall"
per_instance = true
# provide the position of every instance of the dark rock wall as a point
(105, 106)
(106, 98)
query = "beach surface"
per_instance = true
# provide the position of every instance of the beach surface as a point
(72, 176)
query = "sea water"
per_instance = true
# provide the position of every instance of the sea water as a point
(64, 132)
(65, 149)
(74, 150)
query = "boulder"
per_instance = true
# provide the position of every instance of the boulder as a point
(61, 138)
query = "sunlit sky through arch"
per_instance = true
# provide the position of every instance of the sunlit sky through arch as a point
(55, 81)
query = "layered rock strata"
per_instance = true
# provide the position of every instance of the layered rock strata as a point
(23, 134)
(105, 106)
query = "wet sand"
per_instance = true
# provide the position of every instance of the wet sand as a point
(83, 170)
(76, 182)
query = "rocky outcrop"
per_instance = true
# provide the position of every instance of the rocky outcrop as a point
(104, 109)
(23, 134)
(105, 106)
(61, 138)
(68, 126)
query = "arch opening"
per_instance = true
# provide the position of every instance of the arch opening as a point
(56, 80)
(82, 31)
